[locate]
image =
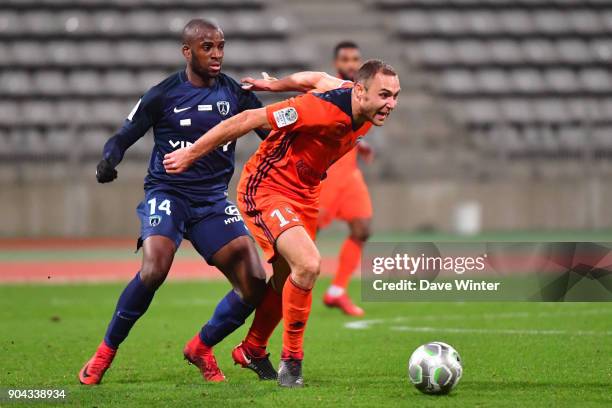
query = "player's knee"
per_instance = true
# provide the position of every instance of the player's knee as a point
(360, 231)
(308, 268)
(247, 253)
(154, 270)
(253, 292)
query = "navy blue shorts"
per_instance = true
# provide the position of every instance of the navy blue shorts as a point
(208, 226)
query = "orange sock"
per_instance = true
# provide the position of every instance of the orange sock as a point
(267, 316)
(296, 308)
(350, 256)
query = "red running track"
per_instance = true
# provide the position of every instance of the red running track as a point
(109, 271)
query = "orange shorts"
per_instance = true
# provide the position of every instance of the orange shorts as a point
(269, 213)
(344, 198)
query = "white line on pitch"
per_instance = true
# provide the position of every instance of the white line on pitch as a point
(366, 324)
(500, 331)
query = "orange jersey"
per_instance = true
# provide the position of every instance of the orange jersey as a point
(346, 164)
(310, 133)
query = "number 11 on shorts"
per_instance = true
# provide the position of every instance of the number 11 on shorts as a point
(282, 220)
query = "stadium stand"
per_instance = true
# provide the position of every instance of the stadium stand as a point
(527, 79)
(530, 76)
(72, 69)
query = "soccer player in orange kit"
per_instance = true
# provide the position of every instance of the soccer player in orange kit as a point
(345, 196)
(278, 192)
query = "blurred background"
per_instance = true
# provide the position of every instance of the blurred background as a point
(504, 122)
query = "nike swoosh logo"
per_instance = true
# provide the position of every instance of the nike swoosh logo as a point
(85, 373)
(248, 360)
(177, 110)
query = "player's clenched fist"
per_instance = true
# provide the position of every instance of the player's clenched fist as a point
(178, 161)
(105, 172)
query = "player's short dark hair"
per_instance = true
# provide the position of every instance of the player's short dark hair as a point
(344, 45)
(196, 23)
(372, 67)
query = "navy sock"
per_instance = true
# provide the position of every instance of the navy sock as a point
(133, 303)
(231, 312)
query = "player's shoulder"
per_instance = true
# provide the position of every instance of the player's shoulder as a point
(230, 83)
(339, 98)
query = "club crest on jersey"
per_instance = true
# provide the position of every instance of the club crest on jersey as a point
(285, 117)
(154, 220)
(223, 107)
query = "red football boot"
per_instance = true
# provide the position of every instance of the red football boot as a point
(94, 369)
(344, 303)
(260, 364)
(200, 355)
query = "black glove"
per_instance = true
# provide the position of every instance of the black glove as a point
(105, 172)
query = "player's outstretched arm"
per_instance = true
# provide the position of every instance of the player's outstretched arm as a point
(304, 81)
(228, 130)
(144, 115)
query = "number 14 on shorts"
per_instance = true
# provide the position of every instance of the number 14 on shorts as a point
(288, 217)
(163, 206)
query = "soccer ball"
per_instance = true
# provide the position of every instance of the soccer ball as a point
(435, 368)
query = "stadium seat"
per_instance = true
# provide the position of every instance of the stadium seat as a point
(109, 22)
(9, 113)
(472, 52)
(561, 80)
(596, 80)
(415, 22)
(76, 23)
(481, 112)
(92, 140)
(63, 53)
(15, 83)
(75, 112)
(85, 82)
(121, 83)
(585, 22)
(449, 23)
(38, 112)
(551, 21)
(432, 52)
(29, 53)
(572, 138)
(60, 140)
(540, 51)
(601, 50)
(134, 53)
(506, 52)
(517, 22)
(10, 23)
(41, 22)
(49, 82)
(484, 22)
(528, 80)
(149, 78)
(516, 110)
(493, 81)
(457, 81)
(550, 110)
(574, 51)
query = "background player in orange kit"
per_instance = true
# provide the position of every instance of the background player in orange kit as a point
(345, 196)
(279, 190)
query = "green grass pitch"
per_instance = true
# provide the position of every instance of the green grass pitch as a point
(515, 354)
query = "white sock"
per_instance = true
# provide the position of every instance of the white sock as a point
(335, 291)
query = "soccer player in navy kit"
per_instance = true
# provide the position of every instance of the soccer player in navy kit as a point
(193, 204)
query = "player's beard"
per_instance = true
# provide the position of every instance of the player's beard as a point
(345, 76)
(201, 71)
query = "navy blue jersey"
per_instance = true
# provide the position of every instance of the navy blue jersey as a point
(180, 113)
